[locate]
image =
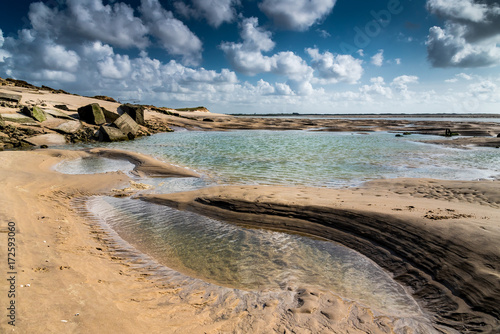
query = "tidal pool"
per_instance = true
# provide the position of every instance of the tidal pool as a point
(250, 259)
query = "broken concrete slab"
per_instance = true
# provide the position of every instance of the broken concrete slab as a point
(62, 107)
(50, 139)
(92, 114)
(110, 116)
(127, 125)
(69, 127)
(10, 97)
(136, 112)
(35, 112)
(110, 134)
(17, 118)
(58, 114)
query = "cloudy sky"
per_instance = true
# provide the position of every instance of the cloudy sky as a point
(262, 56)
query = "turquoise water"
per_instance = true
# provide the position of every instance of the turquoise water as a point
(315, 158)
(250, 259)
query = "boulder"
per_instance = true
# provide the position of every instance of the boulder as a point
(110, 134)
(10, 97)
(35, 112)
(136, 112)
(92, 114)
(127, 125)
(109, 115)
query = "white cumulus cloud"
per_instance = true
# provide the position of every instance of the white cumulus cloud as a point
(332, 68)
(174, 36)
(90, 20)
(470, 36)
(296, 14)
(377, 87)
(401, 83)
(247, 57)
(378, 58)
(58, 58)
(3, 53)
(459, 9)
(216, 12)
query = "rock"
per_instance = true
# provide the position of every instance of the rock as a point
(51, 139)
(20, 83)
(92, 114)
(127, 125)
(2, 122)
(85, 135)
(157, 127)
(18, 118)
(399, 135)
(68, 127)
(35, 112)
(105, 98)
(498, 136)
(136, 112)
(10, 97)
(58, 114)
(62, 107)
(208, 120)
(109, 115)
(110, 134)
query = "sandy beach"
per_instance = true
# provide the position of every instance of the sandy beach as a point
(438, 239)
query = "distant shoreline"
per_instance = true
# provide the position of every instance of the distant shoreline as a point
(374, 115)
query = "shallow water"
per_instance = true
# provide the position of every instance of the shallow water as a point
(249, 259)
(315, 158)
(93, 165)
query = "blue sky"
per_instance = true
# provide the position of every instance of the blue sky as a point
(262, 56)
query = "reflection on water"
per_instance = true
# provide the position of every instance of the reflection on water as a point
(249, 259)
(93, 165)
